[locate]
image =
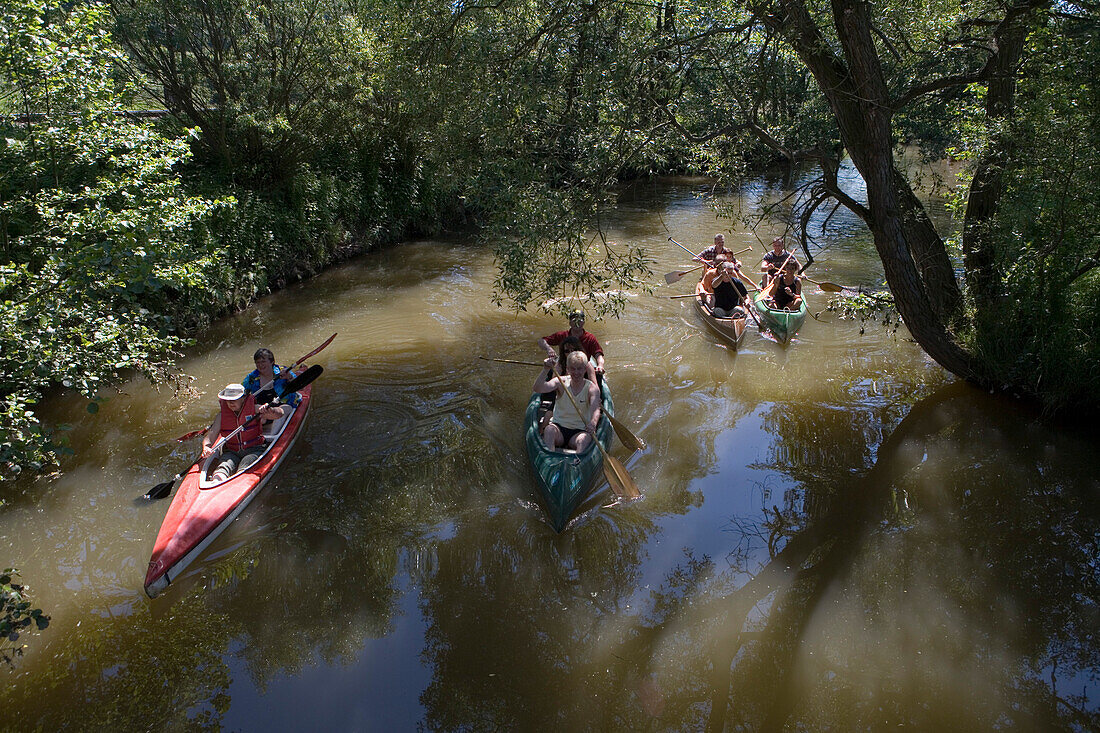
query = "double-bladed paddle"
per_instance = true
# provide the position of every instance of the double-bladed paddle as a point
(164, 488)
(200, 431)
(299, 363)
(622, 432)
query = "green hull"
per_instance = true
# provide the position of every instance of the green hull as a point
(782, 324)
(566, 479)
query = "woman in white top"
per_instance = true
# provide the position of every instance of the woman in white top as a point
(571, 426)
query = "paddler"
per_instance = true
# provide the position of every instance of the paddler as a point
(726, 289)
(268, 380)
(589, 342)
(785, 291)
(244, 448)
(774, 260)
(574, 422)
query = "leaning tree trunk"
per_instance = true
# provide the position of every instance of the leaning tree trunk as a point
(913, 256)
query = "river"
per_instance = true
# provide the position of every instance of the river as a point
(833, 534)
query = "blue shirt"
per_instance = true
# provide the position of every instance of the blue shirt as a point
(252, 383)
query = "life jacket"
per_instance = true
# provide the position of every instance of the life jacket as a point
(253, 433)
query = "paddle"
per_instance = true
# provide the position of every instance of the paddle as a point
(164, 488)
(693, 255)
(622, 432)
(675, 275)
(200, 431)
(615, 473)
(189, 436)
(828, 287)
(297, 364)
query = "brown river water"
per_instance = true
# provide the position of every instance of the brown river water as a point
(833, 535)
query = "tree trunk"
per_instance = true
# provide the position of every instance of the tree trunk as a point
(914, 258)
(979, 248)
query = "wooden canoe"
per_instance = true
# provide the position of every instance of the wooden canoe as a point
(202, 509)
(782, 323)
(566, 478)
(732, 330)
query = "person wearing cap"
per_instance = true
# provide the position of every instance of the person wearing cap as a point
(718, 248)
(268, 380)
(244, 448)
(588, 342)
(774, 260)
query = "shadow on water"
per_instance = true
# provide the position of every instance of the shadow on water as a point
(946, 588)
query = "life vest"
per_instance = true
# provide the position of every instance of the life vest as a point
(253, 433)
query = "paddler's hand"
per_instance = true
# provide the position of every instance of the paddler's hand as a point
(206, 451)
(267, 412)
(550, 361)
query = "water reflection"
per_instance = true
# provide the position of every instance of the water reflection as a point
(828, 539)
(952, 586)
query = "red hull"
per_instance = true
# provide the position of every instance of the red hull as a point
(198, 515)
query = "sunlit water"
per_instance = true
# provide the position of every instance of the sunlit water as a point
(833, 534)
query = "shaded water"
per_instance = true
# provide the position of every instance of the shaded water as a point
(833, 535)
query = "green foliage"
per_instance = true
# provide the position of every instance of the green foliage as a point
(867, 307)
(97, 234)
(1047, 227)
(315, 145)
(16, 616)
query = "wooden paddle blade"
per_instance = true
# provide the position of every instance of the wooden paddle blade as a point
(627, 438)
(621, 482)
(829, 287)
(160, 491)
(673, 277)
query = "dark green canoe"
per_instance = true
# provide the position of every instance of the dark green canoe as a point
(782, 324)
(566, 479)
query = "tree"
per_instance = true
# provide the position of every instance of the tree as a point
(100, 245)
(813, 82)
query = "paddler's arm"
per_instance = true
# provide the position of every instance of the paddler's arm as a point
(744, 278)
(211, 436)
(545, 346)
(594, 399)
(542, 384)
(270, 412)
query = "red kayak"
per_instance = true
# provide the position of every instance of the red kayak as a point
(202, 509)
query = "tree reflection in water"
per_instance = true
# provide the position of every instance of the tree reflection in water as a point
(947, 587)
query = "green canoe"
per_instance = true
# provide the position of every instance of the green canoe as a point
(782, 324)
(566, 478)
